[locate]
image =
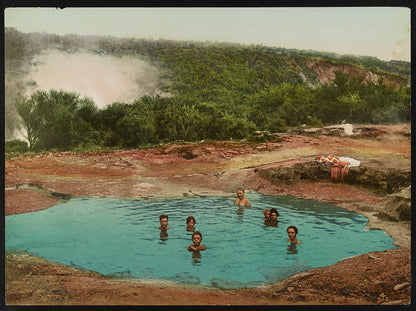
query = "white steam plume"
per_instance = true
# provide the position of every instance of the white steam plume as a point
(105, 79)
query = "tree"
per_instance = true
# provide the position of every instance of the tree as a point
(356, 107)
(30, 120)
(55, 119)
(135, 129)
(341, 81)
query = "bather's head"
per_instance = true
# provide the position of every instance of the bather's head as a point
(292, 231)
(197, 238)
(273, 214)
(190, 221)
(240, 193)
(163, 221)
(266, 213)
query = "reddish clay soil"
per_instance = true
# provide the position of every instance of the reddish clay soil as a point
(211, 168)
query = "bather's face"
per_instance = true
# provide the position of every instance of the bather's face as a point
(191, 223)
(291, 234)
(164, 222)
(273, 216)
(240, 194)
(196, 239)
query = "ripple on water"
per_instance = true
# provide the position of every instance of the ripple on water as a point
(119, 238)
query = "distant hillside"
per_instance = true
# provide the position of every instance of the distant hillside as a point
(317, 67)
(199, 90)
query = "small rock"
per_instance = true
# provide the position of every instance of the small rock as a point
(145, 185)
(290, 289)
(400, 286)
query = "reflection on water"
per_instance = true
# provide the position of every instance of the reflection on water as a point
(163, 235)
(190, 229)
(196, 256)
(271, 223)
(291, 249)
(240, 210)
(240, 213)
(77, 231)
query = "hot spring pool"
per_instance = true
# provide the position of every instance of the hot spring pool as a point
(119, 237)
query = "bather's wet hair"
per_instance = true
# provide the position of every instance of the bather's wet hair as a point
(292, 227)
(240, 189)
(163, 216)
(273, 210)
(189, 218)
(197, 233)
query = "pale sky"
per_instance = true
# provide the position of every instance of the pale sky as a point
(383, 32)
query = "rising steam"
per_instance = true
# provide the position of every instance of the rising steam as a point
(105, 79)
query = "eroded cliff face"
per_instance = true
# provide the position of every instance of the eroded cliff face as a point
(393, 184)
(380, 181)
(325, 72)
(398, 205)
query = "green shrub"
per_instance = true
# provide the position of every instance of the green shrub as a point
(16, 145)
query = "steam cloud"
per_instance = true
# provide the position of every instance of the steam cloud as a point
(105, 79)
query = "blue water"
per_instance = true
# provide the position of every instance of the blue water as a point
(119, 237)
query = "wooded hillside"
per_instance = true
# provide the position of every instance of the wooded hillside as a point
(207, 91)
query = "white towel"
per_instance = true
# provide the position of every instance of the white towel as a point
(351, 161)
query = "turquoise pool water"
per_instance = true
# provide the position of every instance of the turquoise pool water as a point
(119, 237)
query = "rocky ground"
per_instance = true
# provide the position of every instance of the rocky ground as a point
(379, 189)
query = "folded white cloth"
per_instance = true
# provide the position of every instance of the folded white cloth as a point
(351, 161)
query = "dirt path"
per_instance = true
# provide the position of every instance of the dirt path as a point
(211, 168)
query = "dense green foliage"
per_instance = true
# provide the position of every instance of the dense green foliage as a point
(16, 145)
(212, 91)
(57, 119)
